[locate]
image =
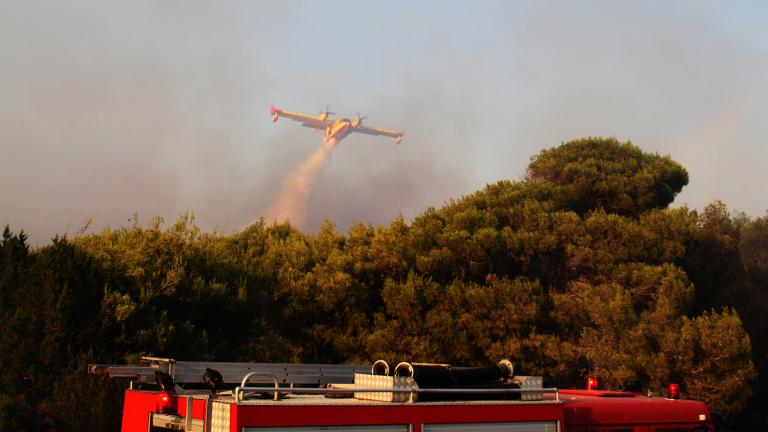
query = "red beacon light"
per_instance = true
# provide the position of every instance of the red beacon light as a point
(166, 403)
(674, 391)
(592, 383)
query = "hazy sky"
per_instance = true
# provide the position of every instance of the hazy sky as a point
(112, 108)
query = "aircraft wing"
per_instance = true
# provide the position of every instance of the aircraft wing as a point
(304, 119)
(397, 135)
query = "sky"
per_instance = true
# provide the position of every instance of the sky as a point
(113, 108)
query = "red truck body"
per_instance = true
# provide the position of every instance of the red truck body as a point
(567, 411)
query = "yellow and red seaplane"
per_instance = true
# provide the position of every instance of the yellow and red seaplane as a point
(334, 128)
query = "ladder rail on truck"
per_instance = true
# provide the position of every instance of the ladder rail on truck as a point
(302, 398)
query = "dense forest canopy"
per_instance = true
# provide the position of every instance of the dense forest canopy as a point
(579, 269)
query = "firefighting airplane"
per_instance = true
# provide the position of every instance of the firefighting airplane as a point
(334, 129)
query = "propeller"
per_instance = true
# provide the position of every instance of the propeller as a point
(360, 118)
(327, 111)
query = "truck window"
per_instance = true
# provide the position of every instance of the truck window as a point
(681, 429)
(360, 428)
(492, 427)
(614, 429)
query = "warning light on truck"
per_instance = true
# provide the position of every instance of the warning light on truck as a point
(674, 391)
(592, 383)
(166, 403)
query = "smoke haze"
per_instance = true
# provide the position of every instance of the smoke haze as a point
(112, 108)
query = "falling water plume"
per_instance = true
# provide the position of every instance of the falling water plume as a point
(291, 204)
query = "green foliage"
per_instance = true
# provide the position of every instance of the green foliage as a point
(579, 269)
(461, 323)
(599, 173)
(714, 345)
(53, 320)
(754, 253)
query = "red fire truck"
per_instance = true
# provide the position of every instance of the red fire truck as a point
(413, 397)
